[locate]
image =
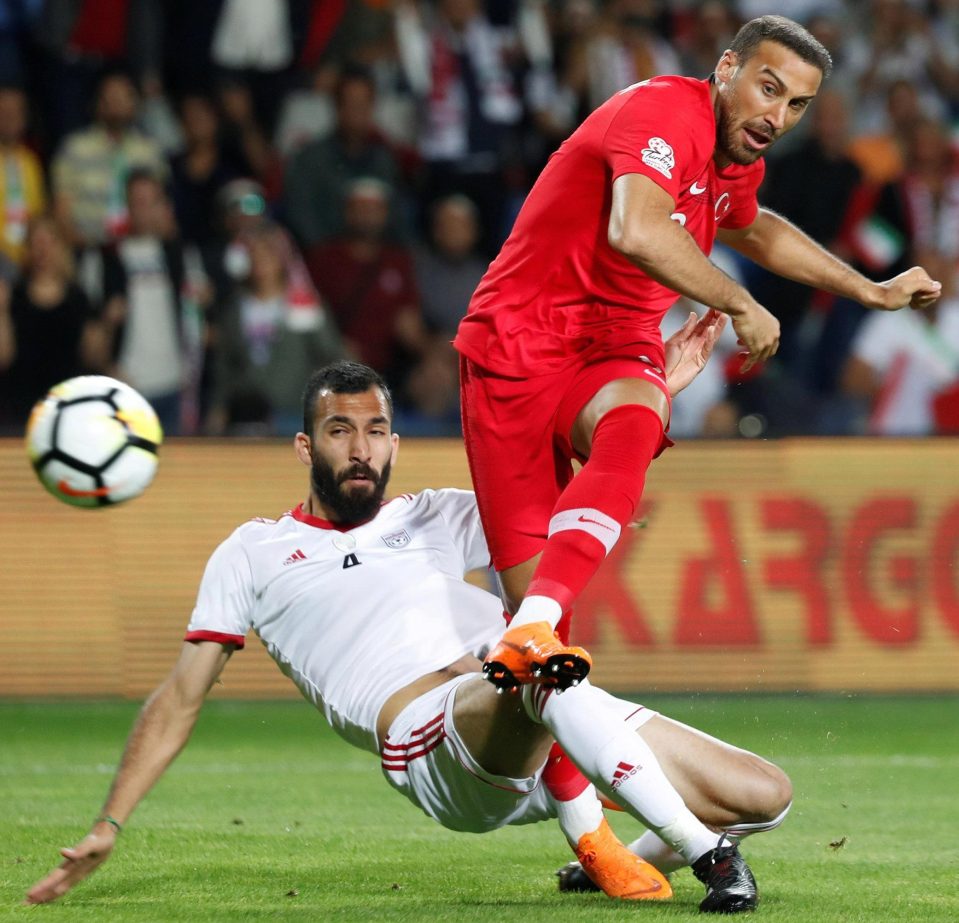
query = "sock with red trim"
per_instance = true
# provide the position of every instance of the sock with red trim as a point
(592, 511)
(577, 805)
(593, 728)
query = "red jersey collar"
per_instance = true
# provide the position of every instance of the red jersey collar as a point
(301, 515)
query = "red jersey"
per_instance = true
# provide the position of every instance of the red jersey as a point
(558, 292)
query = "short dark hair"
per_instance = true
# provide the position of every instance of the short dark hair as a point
(785, 32)
(344, 377)
(143, 175)
(353, 73)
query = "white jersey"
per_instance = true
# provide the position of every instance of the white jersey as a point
(353, 615)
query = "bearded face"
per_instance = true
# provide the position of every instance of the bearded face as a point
(759, 100)
(350, 454)
(354, 493)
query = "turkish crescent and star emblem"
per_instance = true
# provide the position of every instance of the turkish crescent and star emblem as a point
(398, 539)
(723, 204)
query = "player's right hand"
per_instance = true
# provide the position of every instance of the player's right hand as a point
(758, 331)
(79, 862)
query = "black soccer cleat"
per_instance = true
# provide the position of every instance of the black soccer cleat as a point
(572, 878)
(730, 886)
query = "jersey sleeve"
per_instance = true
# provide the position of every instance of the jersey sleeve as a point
(658, 133)
(224, 605)
(458, 508)
(745, 205)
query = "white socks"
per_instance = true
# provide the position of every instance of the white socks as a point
(593, 728)
(580, 815)
(537, 609)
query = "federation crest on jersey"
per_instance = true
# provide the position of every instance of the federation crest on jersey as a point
(659, 156)
(398, 539)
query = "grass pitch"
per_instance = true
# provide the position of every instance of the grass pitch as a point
(267, 815)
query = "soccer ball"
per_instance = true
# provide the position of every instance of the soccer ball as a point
(93, 441)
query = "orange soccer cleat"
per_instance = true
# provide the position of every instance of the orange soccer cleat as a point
(618, 872)
(532, 653)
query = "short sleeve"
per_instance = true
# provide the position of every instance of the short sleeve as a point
(744, 206)
(224, 606)
(459, 511)
(658, 133)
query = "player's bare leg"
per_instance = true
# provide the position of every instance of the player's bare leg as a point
(504, 741)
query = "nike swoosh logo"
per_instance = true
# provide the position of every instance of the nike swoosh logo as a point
(602, 525)
(65, 488)
(696, 189)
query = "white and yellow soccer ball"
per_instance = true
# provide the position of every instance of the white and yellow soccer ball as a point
(93, 441)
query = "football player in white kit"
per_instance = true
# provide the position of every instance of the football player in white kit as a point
(364, 605)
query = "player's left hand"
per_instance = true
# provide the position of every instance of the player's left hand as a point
(688, 350)
(79, 862)
(913, 288)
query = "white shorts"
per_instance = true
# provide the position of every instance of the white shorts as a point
(425, 759)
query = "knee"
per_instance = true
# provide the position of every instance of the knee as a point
(771, 792)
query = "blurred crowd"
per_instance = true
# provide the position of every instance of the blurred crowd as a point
(208, 199)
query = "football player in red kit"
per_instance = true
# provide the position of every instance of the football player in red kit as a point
(561, 352)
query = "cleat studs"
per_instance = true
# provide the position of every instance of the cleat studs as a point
(575, 682)
(556, 668)
(499, 690)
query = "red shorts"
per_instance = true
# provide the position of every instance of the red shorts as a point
(517, 436)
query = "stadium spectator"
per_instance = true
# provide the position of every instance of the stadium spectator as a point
(886, 227)
(253, 47)
(307, 113)
(470, 759)
(798, 10)
(16, 23)
(240, 207)
(630, 49)
(447, 271)
(269, 339)
(79, 39)
(90, 171)
(893, 43)
(449, 268)
(711, 30)
(316, 180)
(903, 369)
(154, 291)
(201, 169)
(455, 61)
(558, 95)
(243, 132)
(369, 284)
(22, 185)
(882, 157)
(47, 329)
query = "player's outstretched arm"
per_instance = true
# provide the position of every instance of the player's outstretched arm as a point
(160, 733)
(641, 229)
(779, 246)
(689, 348)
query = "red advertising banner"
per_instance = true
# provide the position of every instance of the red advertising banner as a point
(792, 565)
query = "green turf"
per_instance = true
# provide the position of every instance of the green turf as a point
(267, 815)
